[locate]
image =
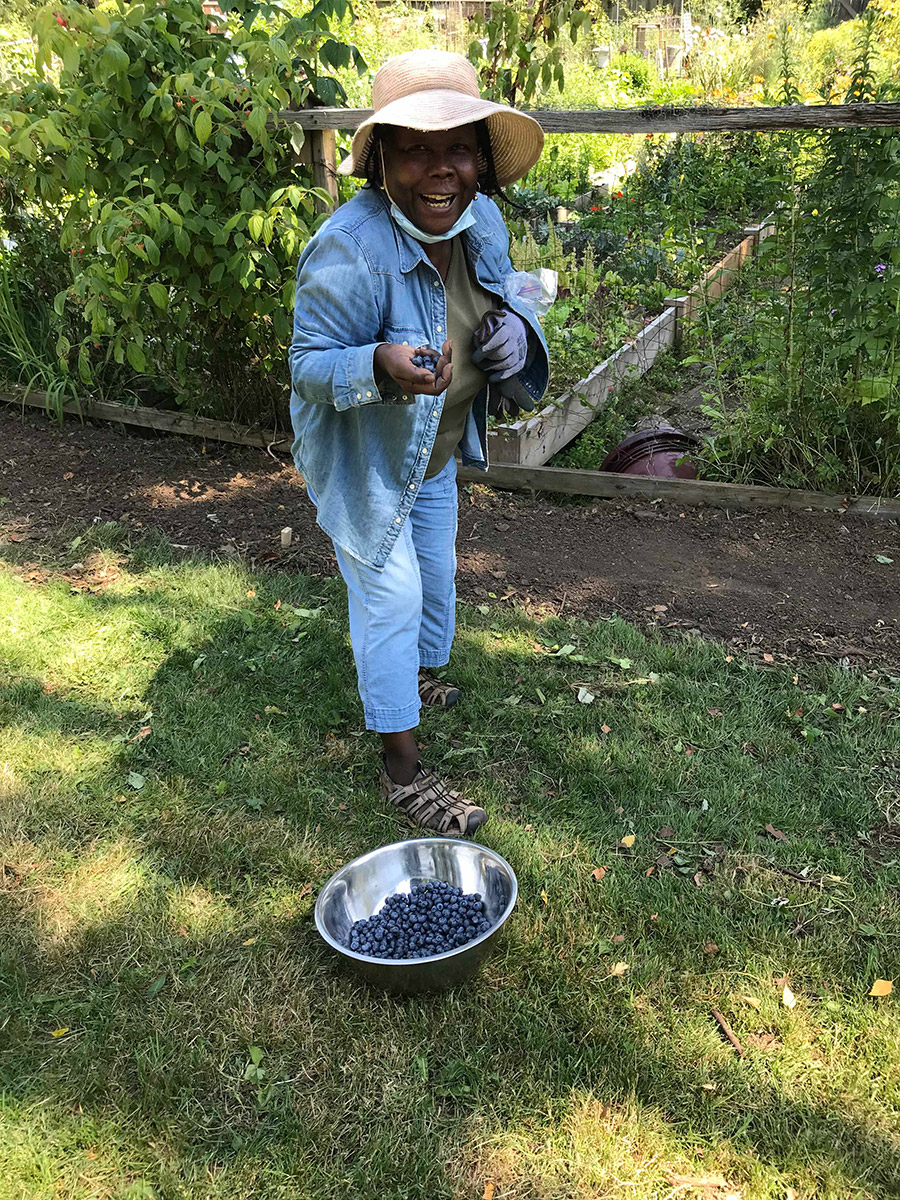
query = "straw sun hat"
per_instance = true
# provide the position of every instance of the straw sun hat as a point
(434, 89)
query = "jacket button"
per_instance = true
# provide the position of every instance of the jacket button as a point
(398, 521)
(368, 395)
(406, 397)
(439, 328)
(412, 487)
(359, 395)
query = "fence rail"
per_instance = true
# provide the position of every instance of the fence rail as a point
(651, 120)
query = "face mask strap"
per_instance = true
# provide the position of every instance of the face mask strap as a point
(383, 172)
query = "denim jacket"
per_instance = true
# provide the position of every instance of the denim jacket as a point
(364, 449)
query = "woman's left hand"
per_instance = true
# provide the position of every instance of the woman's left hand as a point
(501, 345)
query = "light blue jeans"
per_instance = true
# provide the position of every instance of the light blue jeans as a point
(404, 615)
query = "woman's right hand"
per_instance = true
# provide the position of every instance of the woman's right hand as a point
(396, 362)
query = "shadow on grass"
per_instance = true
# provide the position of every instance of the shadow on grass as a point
(165, 927)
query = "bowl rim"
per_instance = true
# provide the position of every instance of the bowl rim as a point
(431, 958)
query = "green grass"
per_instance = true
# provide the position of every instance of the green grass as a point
(166, 927)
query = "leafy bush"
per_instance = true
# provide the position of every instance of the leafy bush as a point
(635, 69)
(179, 203)
(803, 360)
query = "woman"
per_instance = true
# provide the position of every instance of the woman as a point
(414, 261)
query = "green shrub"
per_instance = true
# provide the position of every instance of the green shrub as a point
(179, 203)
(635, 69)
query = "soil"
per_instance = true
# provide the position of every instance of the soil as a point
(777, 585)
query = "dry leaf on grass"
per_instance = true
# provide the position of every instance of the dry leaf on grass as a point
(698, 1181)
(618, 968)
(488, 1193)
(710, 948)
(598, 873)
(666, 834)
(776, 833)
(627, 841)
(882, 987)
(618, 938)
(762, 1041)
(751, 1000)
(788, 999)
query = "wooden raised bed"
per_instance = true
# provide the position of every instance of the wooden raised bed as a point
(533, 441)
(602, 484)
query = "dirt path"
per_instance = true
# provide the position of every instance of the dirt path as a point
(786, 584)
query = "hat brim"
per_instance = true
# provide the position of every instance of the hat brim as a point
(516, 138)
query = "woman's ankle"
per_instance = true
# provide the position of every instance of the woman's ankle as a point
(401, 756)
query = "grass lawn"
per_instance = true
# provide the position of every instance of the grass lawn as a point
(182, 765)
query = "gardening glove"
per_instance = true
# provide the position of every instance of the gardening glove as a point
(501, 345)
(508, 398)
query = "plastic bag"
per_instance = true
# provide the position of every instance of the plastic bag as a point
(534, 290)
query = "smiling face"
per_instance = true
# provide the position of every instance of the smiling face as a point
(431, 177)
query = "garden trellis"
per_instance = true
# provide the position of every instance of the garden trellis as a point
(805, 346)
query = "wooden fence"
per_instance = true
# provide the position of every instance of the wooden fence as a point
(319, 122)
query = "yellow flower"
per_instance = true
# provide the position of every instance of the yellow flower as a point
(815, 212)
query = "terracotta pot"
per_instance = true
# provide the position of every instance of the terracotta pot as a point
(656, 452)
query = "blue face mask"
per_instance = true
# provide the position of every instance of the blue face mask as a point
(465, 221)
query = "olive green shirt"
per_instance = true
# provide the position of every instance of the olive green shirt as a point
(467, 303)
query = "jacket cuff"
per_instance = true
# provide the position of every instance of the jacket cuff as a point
(361, 387)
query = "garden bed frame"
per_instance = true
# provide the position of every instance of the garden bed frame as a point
(602, 484)
(533, 441)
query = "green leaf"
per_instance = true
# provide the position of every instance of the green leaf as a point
(152, 250)
(256, 123)
(298, 138)
(120, 274)
(114, 59)
(255, 226)
(156, 986)
(158, 295)
(59, 301)
(138, 361)
(883, 558)
(182, 242)
(203, 126)
(136, 780)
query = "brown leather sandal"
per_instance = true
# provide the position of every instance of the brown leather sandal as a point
(430, 803)
(434, 693)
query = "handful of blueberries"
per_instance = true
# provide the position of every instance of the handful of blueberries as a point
(428, 361)
(432, 919)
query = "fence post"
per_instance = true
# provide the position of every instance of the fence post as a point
(323, 159)
(682, 314)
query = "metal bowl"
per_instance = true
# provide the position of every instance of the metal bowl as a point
(359, 889)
